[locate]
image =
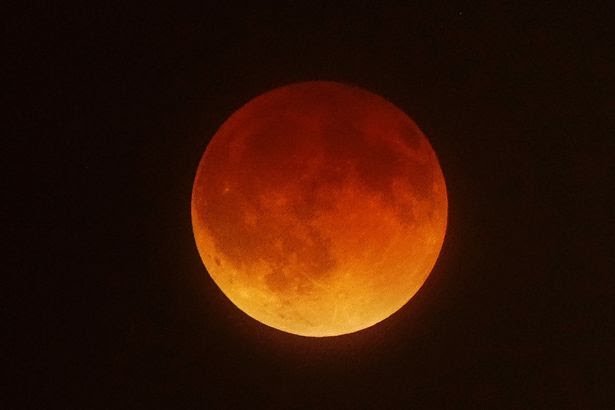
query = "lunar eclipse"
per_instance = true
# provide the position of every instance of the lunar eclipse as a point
(319, 208)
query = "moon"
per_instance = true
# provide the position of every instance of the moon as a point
(319, 208)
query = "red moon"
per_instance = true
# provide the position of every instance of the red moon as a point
(319, 208)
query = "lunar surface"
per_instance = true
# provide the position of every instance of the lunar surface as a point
(319, 208)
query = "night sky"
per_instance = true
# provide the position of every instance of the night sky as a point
(111, 109)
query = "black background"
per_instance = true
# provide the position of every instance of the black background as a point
(111, 109)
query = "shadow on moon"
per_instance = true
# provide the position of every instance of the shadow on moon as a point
(319, 208)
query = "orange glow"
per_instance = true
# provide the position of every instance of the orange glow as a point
(319, 208)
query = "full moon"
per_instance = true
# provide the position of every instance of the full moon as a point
(319, 208)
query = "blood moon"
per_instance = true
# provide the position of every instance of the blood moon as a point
(319, 208)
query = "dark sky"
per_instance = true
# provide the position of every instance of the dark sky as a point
(112, 108)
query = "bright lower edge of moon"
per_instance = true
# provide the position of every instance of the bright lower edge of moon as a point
(319, 208)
